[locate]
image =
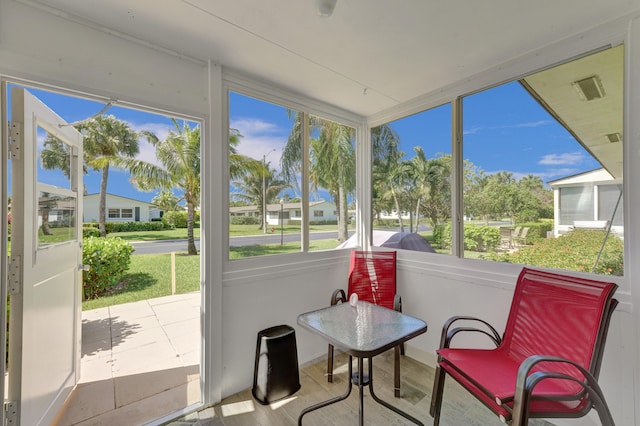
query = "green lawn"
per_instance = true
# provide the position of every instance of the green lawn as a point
(149, 276)
(166, 234)
(270, 249)
(234, 231)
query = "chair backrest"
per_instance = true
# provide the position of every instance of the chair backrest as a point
(373, 276)
(554, 314)
(516, 232)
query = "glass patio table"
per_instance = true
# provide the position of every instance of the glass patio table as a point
(362, 331)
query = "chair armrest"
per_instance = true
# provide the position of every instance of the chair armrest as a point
(397, 303)
(338, 296)
(448, 333)
(526, 382)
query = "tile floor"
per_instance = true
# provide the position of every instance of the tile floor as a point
(140, 361)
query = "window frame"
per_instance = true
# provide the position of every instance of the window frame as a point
(233, 82)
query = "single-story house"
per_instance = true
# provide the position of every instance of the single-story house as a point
(318, 210)
(120, 209)
(591, 200)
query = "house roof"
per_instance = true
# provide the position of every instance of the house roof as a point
(276, 207)
(119, 196)
(592, 176)
(369, 56)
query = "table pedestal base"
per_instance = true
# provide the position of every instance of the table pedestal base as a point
(361, 382)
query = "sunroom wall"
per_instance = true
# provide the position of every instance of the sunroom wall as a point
(245, 297)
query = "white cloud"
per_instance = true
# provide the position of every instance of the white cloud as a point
(567, 158)
(260, 138)
(147, 151)
(478, 129)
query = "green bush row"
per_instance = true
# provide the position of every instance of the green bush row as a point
(323, 222)
(576, 251)
(108, 259)
(245, 220)
(476, 237)
(537, 230)
(179, 219)
(127, 226)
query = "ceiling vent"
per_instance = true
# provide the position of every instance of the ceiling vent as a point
(614, 137)
(589, 88)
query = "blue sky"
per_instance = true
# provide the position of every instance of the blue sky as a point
(504, 129)
(74, 109)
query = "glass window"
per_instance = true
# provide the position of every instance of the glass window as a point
(543, 167)
(265, 166)
(56, 219)
(576, 204)
(610, 203)
(412, 182)
(54, 161)
(113, 213)
(318, 213)
(126, 213)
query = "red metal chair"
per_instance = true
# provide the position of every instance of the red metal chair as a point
(372, 277)
(548, 361)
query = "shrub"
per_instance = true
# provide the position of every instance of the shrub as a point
(575, 251)
(245, 220)
(134, 226)
(178, 219)
(108, 259)
(537, 230)
(90, 232)
(476, 237)
(323, 222)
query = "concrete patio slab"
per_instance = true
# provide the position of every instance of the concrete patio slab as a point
(140, 361)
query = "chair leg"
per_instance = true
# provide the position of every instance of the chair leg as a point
(396, 371)
(330, 364)
(436, 395)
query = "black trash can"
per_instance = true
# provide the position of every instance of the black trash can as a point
(276, 374)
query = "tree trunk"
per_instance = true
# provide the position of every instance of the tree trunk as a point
(102, 207)
(191, 244)
(45, 221)
(341, 209)
(398, 212)
(418, 214)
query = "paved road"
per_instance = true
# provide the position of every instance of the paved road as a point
(167, 246)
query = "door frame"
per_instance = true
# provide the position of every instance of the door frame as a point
(210, 354)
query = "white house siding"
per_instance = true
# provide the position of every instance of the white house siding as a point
(593, 196)
(92, 201)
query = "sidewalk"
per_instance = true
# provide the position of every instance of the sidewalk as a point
(140, 361)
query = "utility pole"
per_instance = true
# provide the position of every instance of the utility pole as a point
(264, 191)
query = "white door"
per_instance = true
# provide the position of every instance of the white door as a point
(45, 277)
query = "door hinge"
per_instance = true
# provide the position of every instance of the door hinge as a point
(15, 147)
(11, 413)
(15, 266)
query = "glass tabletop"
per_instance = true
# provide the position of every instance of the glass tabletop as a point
(363, 330)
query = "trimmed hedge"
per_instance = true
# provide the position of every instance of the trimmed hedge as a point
(108, 259)
(127, 226)
(476, 237)
(245, 220)
(179, 219)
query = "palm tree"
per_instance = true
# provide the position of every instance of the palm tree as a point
(258, 183)
(166, 201)
(179, 156)
(332, 162)
(106, 139)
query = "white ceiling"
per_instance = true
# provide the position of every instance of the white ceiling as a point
(396, 49)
